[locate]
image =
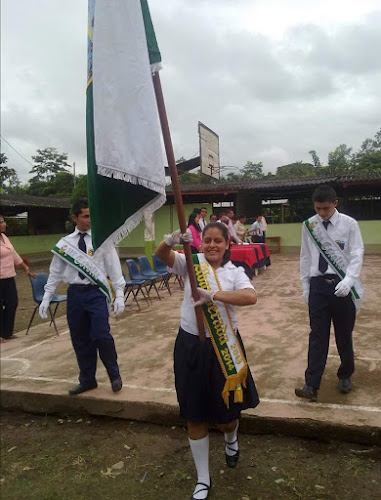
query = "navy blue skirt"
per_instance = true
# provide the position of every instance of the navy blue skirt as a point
(199, 382)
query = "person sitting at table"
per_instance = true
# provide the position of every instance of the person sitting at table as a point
(256, 230)
(239, 227)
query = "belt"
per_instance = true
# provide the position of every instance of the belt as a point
(82, 287)
(330, 279)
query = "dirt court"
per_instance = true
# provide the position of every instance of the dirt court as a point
(275, 333)
(78, 453)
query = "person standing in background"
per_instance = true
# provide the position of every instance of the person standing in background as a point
(264, 226)
(9, 258)
(330, 263)
(202, 222)
(193, 225)
(233, 235)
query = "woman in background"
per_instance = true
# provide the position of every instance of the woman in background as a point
(196, 232)
(9, 258)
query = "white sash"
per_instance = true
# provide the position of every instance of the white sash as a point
(84, 264)
(333, 255)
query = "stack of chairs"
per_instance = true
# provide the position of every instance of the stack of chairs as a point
(142, 281)
(145, 273)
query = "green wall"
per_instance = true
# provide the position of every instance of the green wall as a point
(166, 221)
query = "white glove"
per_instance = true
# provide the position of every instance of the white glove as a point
(343, 288)
(43, 309)
(205, 296)
(306, 290)
(176, 238)
(118, 305)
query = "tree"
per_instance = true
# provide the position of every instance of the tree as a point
(253, 170)
(48, 163)
(80, 190)
(368, 158)
(339, 161)
(8, 175)
(315, 158)
(296, 170)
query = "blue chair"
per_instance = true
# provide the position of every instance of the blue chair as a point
(135, 274)
(38, 283)
(134, 287)
(147, 271)
(161, 268)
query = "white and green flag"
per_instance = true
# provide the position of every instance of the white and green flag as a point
(125, 158)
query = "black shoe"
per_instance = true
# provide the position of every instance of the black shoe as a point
(117, 384)
(78, 389)
(345, 385)
(307, 392)
(231, 460)
(205, 488)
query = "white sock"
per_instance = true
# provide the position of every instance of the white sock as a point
(231, 437)
(200, 452)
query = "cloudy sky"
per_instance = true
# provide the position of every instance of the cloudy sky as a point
(274, 78)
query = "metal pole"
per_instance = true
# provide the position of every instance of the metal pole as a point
(177, 195)
(74, 173)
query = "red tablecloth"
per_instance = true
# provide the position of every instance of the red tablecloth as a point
(244, 253)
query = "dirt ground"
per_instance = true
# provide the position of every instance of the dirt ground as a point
(66, 458)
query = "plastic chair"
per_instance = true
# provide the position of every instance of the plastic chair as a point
(134, 287)
(38, 283)
(146, 270)
(135, 274)
(161, 268)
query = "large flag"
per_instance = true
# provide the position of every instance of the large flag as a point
(125, 158)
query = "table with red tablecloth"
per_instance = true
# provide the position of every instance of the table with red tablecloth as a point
(250, 257)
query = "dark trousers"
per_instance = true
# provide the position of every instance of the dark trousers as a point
(87, 315)
(325, 307)
(8, 306)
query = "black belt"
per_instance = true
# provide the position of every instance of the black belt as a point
(330, 279)
(82, 287)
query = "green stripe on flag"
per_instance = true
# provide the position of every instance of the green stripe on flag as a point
(153, 49)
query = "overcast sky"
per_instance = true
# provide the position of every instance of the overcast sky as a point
(273, 78)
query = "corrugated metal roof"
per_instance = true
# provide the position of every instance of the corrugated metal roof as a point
(278, 184)
(27, 201)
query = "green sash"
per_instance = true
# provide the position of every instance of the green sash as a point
(223, 335)
(335, 257)
(84, 264)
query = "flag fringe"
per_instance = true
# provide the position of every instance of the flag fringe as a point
(132, 179)
(123, 231)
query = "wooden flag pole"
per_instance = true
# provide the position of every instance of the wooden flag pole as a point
(177, 195)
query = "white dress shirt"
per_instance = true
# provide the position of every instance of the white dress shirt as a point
(256, 228)
(346, 232)
(62, 271)
(230, 278)
(202, 223)
(232, 232)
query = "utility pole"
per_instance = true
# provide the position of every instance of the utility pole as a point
(74, 173)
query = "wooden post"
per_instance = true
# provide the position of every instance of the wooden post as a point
(177, 195)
